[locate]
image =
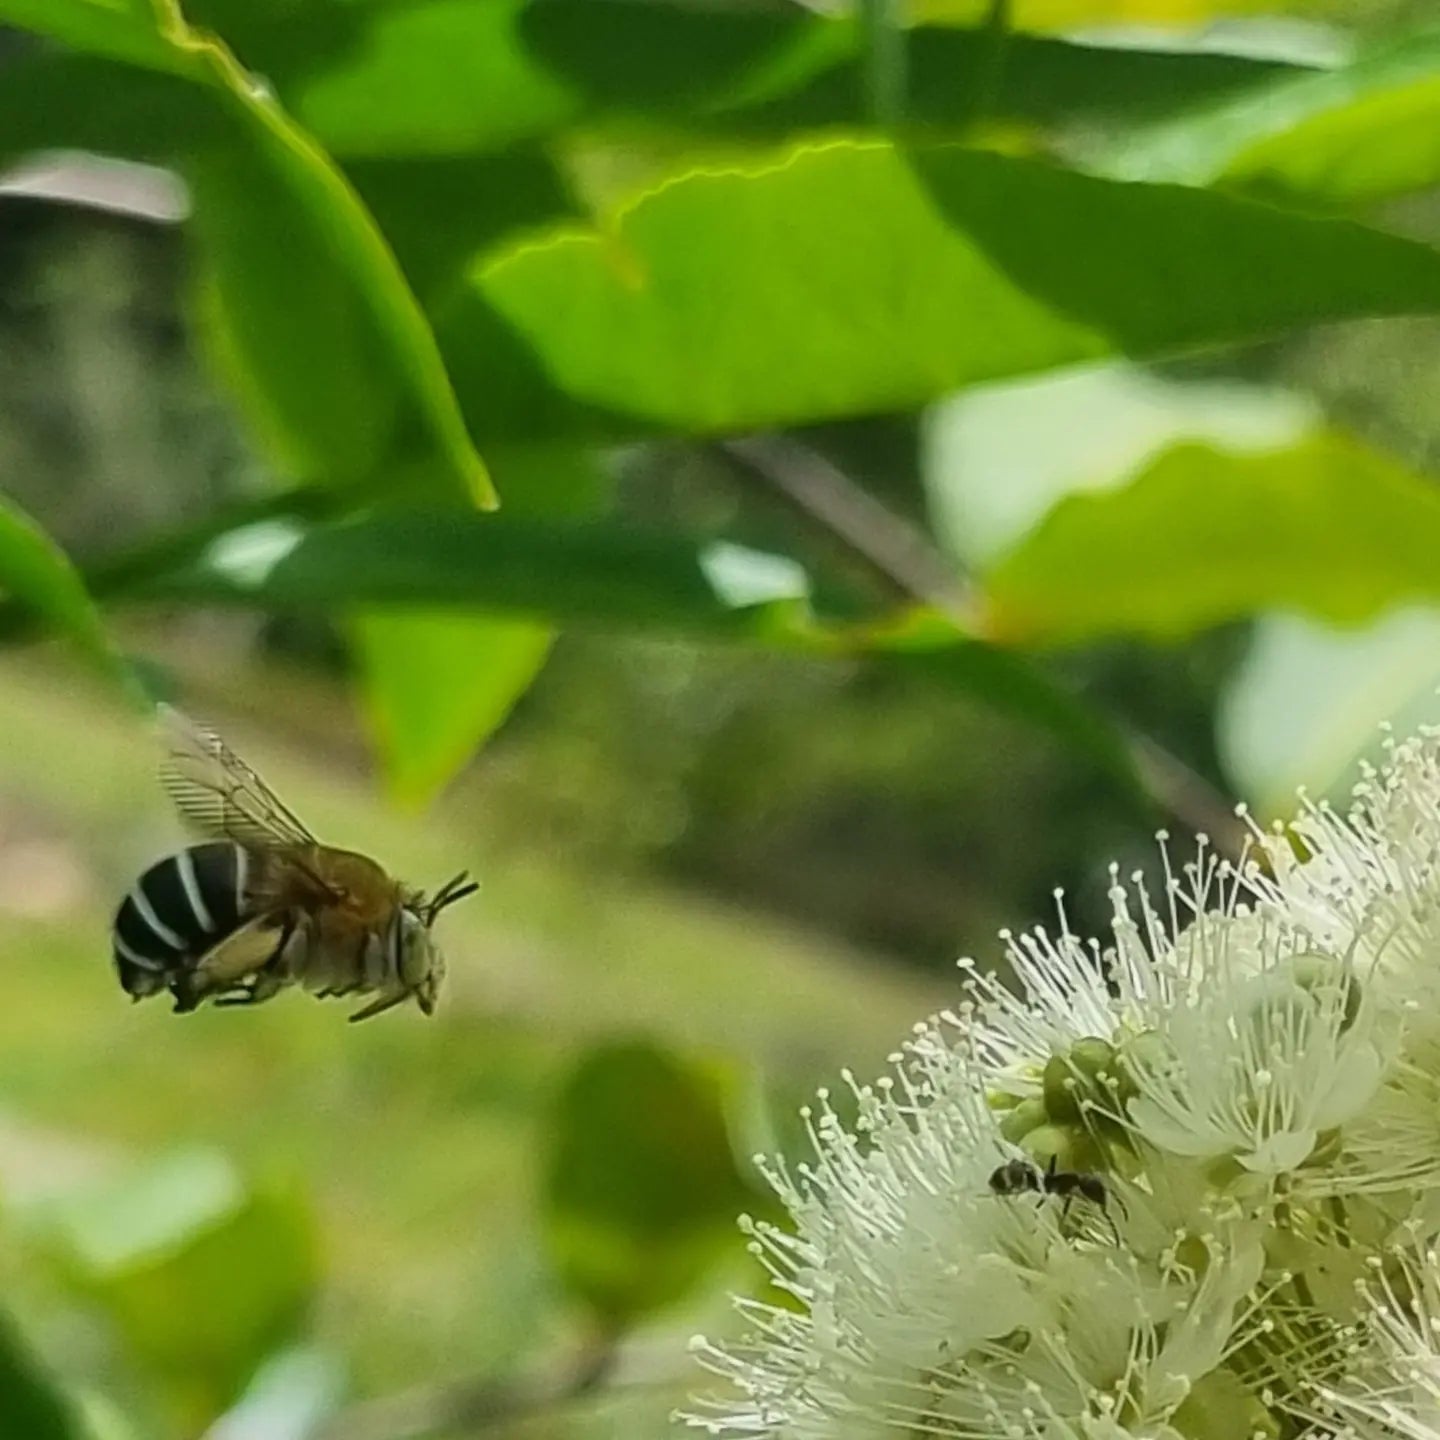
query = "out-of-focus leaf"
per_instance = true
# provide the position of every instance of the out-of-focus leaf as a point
(436, 685)
(36, 573)
(594, 575)
(553, 481)
(201, 1278)
(1306, 705)
(450, 77)
(290, 1398)
(641, 1189)
(1343, 136)
(1199, 537)
(990, 473)
(31, 1405)
(128, 30)
(852, 278)
(438, 213)
(56, 100)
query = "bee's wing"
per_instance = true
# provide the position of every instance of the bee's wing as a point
(218, 794)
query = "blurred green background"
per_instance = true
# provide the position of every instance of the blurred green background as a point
(937, 444)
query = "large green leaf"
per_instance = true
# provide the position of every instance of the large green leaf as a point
(585, 574)
(853, 277)
(1356, 133)
(641, 1188)
(1306, 705)
(31, 1405)
(1201, 536)
(991, 473)
(35, 572)
(435, 685)
(484, 199)
(447, 77)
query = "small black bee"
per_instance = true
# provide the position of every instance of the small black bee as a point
(1020, 1177)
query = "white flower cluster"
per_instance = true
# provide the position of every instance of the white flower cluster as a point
(1181, 1186)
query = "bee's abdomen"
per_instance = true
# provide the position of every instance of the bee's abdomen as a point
(177, 910)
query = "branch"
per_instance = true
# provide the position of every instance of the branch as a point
(907, 558)
(900, 552)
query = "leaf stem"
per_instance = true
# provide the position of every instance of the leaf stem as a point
(883, 55)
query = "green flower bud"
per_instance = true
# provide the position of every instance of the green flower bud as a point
(1060, 1087)
(1025, 1117)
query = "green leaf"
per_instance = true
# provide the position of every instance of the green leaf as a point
(35, 572)
(641, 1189)
(1347, 136)
(597, 575)
(484, 199)
(436, 685)
(450, 77)
(201, 1278)
(1306, 705)
(748, 298)
(991, 474)
(1201, 536)
(314, 311)
(589, 573)
(30, 1403)
(53, 99)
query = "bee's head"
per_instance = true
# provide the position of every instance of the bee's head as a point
(422, 962)
(418, 962)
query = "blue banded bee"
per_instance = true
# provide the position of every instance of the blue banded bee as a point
(260, 904)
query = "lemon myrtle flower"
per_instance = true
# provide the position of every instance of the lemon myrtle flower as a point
(1211, 1126)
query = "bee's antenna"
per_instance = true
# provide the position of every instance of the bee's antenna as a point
(449, 893)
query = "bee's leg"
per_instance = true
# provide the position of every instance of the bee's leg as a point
(187, 994)
(277, 955)
(265, 985)
(244, 996)
(269, 979)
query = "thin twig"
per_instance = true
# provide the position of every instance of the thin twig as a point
(910, 562)
(899, 551)
(1186, 794)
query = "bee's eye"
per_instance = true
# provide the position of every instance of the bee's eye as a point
(414, 949)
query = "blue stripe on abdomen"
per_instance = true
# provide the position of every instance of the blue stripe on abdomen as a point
(178, 909)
